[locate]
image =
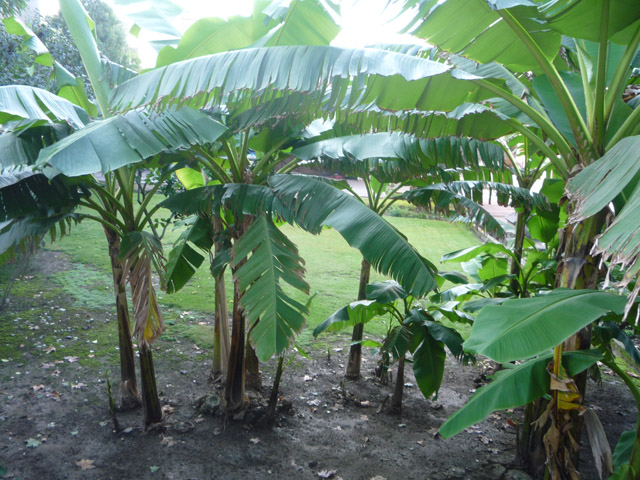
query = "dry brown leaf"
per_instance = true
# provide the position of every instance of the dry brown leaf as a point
(327, 473)
(38, 387)
(85, 464)
(50, 349)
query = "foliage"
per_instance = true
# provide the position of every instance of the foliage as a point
(17, 62)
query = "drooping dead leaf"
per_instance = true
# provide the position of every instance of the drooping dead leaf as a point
(85, 464)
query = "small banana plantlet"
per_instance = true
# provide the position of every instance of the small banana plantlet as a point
(275, 390)
(414, 335)
(112, 403)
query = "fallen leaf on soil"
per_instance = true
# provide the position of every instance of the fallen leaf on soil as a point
(85, 464)
(633, 375)
(365, 403)
(47, 365)
(78, 386)
(327, 473)
(485, 440)
(154, 468)
(103, 423)
(168, 441)
(420, 442)
(199, 420)
(254, 440)
(32, 442)
(50, 349)
(167, 409)
(307, 378)
(72, 359)
(364, 417)
(38, 387)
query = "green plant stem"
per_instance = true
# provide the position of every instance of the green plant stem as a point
(580, 130)
(560, 163)
(148, 198)
(216, 170)
(90, 204)
(236, 175)
(76, 20)
(598, 123)
(105, 223)
(545, 124)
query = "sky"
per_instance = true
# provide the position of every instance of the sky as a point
(363, 21)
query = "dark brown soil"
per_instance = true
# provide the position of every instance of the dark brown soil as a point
(54, 415)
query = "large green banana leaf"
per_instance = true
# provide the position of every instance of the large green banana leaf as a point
(466, 119)
(183, 259)
(302, 22)
(107, 145)
(458, 192)
(361, 311)
(525, 327)
(448, 152)
(474, 28)
(316, 204)
(264, 258)
(513, 387)
(37, 106)
(15, 233)
(282, 22)
(313, 204)
(581, 19)
(233, 77)
(24, 192)
(613, 176)
(22, 147)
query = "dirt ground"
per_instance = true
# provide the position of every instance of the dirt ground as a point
(55, 423)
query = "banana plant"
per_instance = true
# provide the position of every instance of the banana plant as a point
(412, 329)
(224, 162)
(569, 107)
(530, 379)
(388, 163)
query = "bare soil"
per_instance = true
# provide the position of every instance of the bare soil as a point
(54, 416)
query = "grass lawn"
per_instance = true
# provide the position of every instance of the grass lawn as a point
(332, 266)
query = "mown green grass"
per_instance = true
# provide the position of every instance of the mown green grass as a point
(332, 271)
